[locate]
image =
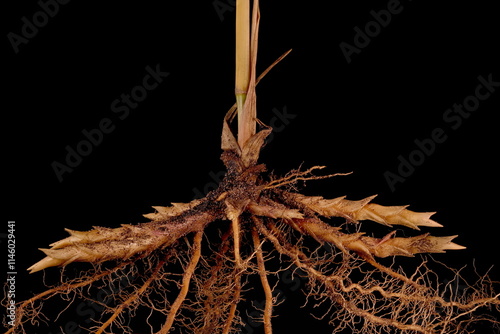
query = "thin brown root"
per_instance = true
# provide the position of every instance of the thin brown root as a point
(349, 306)
(301, 176)
(394, 274)
(186, 279)
(61, 289)
(235, 223)
(268, 308)
(135, 296)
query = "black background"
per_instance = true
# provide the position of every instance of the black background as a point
(358, 116)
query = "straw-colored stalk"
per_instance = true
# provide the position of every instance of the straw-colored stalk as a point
(245, 56)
